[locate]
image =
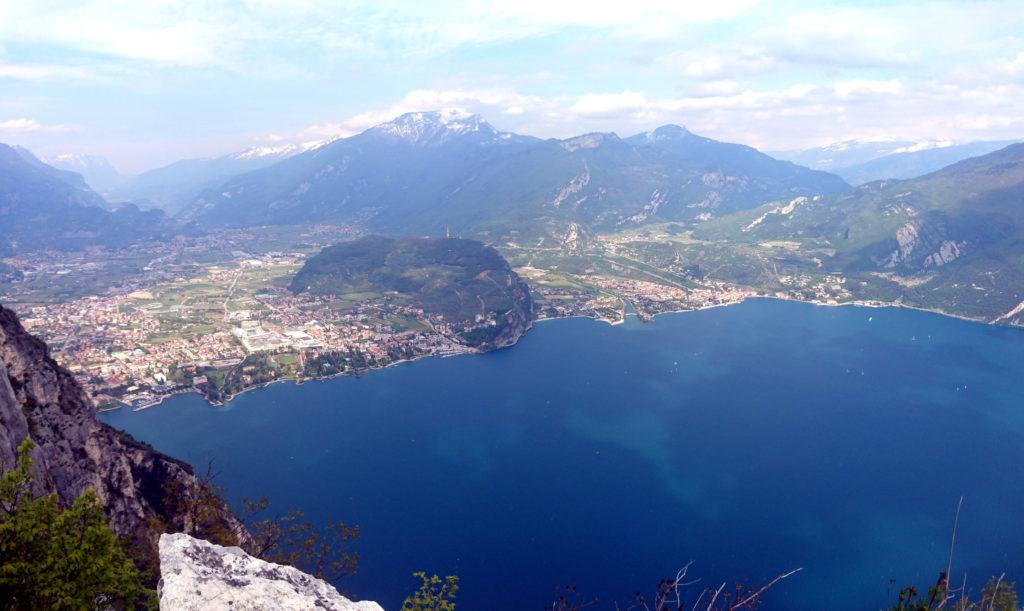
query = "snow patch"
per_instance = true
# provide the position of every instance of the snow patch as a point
(436, 127)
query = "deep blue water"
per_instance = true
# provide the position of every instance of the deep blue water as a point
(751, 439)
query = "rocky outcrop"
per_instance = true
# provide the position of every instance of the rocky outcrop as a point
(948, 252)
(196, 574)
(516, 321)
(924, 244)
(908, 239)
(574, 186)
(74, 451)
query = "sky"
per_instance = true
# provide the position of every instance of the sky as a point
(146, 83)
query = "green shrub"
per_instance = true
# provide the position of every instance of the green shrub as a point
(52, 557)
(433, 595)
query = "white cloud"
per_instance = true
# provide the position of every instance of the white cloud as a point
(24, 125)
(716, 88)
(773, 73)
(609, 104)
(1015, 67)
(845, 89)
(20, 125)
(187, 33)
(489, 102)
(206, 32)
(40, 72)
(703, 65)
(793, 116)
(872, 41)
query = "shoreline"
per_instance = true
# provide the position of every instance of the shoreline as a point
(156, 401)
(298, 381)
(855, 303)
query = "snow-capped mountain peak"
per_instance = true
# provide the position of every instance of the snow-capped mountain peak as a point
(848, 153)
(279, 151)
(77, 162)
(883, 145)
(435, 127)
(924, 145)
(98, 173)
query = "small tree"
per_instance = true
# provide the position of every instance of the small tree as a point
(60, 558)
(293, 540)
(204, 514)
(674, 594)
(997, 595)
(433, 595)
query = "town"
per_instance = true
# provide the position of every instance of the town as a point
(213, 315)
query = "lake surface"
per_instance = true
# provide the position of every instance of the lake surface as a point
(752, 439)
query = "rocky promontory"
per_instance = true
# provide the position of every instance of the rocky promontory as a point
(137, 486)
(198, 575)
(464, 288)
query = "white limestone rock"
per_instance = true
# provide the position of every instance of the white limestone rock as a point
(196, 574)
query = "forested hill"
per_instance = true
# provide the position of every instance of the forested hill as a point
(952, 239)
(461, 284)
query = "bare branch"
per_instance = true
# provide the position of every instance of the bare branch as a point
(715, 597)
(952, 542)
(699, 598)
(771, 583)
(995, 593)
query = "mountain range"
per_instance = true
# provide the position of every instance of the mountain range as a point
(43, 208)
(954, 237)
(97, 172)
(80, 191)
(425, 172)
(173, 187)
(862, 161)
(957, 233)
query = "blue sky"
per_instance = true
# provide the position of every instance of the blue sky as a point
(144, 83)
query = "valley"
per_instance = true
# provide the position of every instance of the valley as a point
(214, 315)
(274, 274)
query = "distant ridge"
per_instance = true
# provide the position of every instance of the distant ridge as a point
(42, 207)
(862, 161)
(425, 171)
(952, 239)
(172, 187)
(97, 171)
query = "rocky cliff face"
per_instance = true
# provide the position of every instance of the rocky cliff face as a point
(198, 575)
(74, 451)
(514, 322)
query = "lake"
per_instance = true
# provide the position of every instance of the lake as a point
(752, 439)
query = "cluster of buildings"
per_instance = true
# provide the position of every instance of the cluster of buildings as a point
(168, 324)
(177, 325)
(829, 289)
(134, 349)
(650, 298)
